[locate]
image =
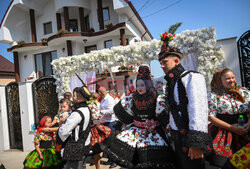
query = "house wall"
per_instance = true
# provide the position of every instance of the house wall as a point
(229, 46)
(29, 71)
(78, 3)
(27, 115)
(93, 17)
(114, 18)
(4, 80)
(4, 131)
(18, 21)
(49, 15)
(119, 4)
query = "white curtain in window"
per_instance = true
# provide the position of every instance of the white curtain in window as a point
(87, 78)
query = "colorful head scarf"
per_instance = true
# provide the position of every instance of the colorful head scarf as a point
(218, 88)
(42, 123)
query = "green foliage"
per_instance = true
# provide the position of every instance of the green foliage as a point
(174, 27)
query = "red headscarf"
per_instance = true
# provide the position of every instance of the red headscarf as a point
(42, 123)
(217, 87)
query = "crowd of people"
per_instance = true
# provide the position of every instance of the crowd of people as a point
(148, 127)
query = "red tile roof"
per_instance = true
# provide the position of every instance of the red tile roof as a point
(6, 66)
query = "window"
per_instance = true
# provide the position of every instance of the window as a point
(86, 22)
(88, 49)
(127, 42)
(47, 28)
(108, 44)
(43, 63)
(105, 12)
(73, 26)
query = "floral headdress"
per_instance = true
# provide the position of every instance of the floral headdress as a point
(166, 37)
(144, 73)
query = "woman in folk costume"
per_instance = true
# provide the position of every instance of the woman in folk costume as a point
(143, 143)
(227, 102)
(44, 155)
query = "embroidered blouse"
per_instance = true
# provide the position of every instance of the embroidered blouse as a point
(95, 112)
(226, 104)
(41, 136)
(127, 104)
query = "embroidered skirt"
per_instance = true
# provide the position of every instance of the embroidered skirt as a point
(50, 160)
(135, 148)
(99, 133)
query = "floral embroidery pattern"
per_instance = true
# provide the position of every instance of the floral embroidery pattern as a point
(227, 104)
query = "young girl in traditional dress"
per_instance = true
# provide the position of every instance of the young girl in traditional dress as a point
(44, 156)
(99, 132)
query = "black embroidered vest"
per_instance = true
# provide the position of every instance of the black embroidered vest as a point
(174, 76)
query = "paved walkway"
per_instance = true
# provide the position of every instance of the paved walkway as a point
(13, 159)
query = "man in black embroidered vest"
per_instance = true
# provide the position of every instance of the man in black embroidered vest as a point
(187, 99)
(77, 128)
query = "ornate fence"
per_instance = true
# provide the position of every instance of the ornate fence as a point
(14, 116)
(45, 98)
(244, 58)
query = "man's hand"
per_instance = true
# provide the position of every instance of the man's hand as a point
(238, 130)
(195, 153)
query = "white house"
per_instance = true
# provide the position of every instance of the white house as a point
(39, 31)
(91, 25)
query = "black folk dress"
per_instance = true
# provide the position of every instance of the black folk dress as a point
(143, 143)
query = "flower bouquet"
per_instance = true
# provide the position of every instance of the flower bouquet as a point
(21, 43)
(169, 35)
(44, 41)
(109, 26)
(61, 31)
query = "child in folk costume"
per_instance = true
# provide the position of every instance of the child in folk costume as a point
(143, 143)
(98, 132)
(44, 155)
(64, 110)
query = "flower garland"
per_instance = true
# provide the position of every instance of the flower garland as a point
(105, 73)
(201, 42)
(21, 43)
(126, 68)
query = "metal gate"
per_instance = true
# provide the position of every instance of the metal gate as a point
(244, 58)
(45, 98)
(14, 115)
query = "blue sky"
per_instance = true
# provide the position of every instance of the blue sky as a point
(230, 18)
